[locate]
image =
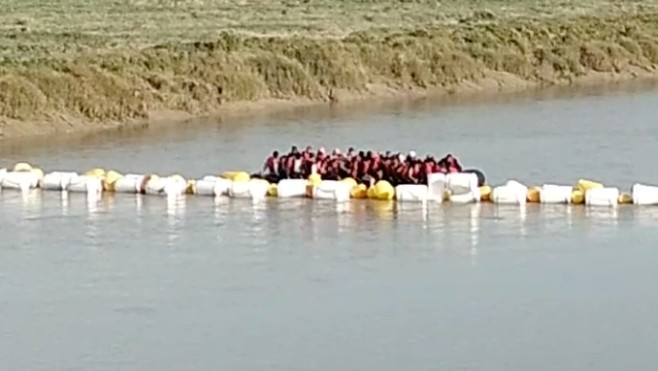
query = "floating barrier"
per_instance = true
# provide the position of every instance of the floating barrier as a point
(331, 190)
(457, 188)
(462, 188)
(555, 194)
(255, 189)
(287, 188)
(512, 192)
(644, 195)
(602, 197)
(23, 177)
(412, 193)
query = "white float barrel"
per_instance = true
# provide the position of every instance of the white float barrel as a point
(607, 196)
(411, 193)
(254, 189)
(240, 190)
(175, 186)
(210, 178)
(461, 183)
(332, 190)
(155, 186)
(512, 192)
(19, 180)
(86, 184)
(130, 183)
(555, 194)
(463, 187)
(204, 187)
(645, 195)
(466, 198)
(57, 180)
(291, 188)
(436, 186)
(222, 186)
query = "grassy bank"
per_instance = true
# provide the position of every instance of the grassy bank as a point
(75, 64)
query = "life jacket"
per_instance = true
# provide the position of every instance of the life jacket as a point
(429, 168)
(290, 165)
(354, 168)
(321, 167)
(272, 164)
(333, 170)
(307, 164)
(417, 172)
(343, 168)
(436, 168)
(283, 165)
(365, 167)
(453, 165)
(375, 166)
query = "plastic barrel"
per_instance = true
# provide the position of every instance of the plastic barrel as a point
(482, 180)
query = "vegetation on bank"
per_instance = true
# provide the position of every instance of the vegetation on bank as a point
(117, 60)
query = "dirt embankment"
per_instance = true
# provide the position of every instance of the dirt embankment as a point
(106, 87)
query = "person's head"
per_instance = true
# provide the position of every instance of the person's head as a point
(309, 149)
(294, 149)
(275, 154)
(361, 154)
(336, 152)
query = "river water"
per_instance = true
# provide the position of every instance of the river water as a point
(139, 283)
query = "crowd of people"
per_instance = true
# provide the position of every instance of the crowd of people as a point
(363, 166)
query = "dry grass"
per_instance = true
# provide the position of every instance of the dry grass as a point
(115, 60)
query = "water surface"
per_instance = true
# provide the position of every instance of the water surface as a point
(140, 283)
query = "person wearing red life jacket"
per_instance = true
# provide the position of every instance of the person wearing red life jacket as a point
(351, 153)
(308, 160)
(293, 166)
(453, 164)
(272, 164)
(376, 166)
(417, 171)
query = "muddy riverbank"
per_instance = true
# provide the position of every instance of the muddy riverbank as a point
(121, 74)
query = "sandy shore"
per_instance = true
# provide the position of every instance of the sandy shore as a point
(51, 84)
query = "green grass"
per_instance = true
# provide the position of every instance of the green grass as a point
(116, 60)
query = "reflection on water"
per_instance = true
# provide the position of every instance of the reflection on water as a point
(454, 228)
(175, 210)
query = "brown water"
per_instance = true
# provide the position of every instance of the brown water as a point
(135, 283)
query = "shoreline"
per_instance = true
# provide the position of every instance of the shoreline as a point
(491, 89)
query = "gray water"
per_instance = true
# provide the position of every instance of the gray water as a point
(140, 283)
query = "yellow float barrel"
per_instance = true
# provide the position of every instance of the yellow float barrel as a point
(577, 197)
(23, 166)
(585, 185)
(359, 192)
(485, 193)
(272, 191)
(625, 199)
(97, 172)
(315, 179)
(533, 194)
